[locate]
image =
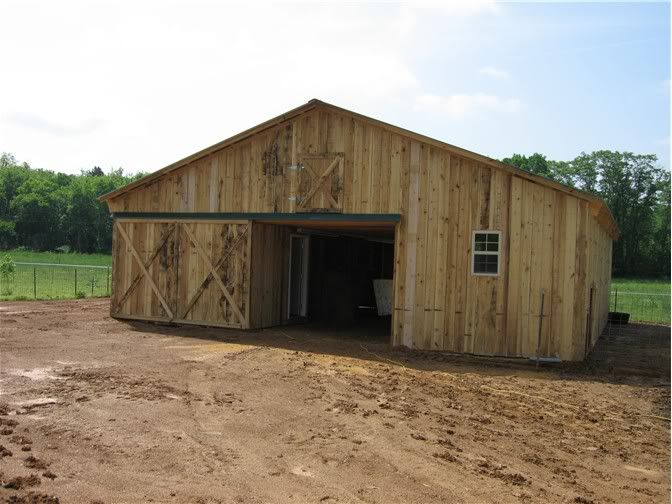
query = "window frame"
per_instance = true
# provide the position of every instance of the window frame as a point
(486, 252)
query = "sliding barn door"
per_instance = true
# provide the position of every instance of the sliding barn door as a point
(214, 274)
(188, 272)
(144, 270)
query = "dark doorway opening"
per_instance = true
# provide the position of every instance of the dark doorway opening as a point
(349, 281)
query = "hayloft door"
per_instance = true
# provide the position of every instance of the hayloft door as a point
(319, 183)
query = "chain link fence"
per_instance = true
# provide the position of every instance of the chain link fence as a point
(55, 281)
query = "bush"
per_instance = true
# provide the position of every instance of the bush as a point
(7, 268)
(81, 295)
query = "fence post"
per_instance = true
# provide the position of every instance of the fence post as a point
(93, 282)
(615, 299)
(107, 287)
(75, 282)
(34, 283)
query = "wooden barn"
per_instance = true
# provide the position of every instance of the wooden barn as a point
(327, 217)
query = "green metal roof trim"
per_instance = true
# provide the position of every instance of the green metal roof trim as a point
(289, 217)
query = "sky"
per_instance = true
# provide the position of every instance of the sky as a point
(142, 84)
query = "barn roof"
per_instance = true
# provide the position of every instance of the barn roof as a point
(599, 208)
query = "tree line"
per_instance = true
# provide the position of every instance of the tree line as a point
(636, 190)
(45, 210)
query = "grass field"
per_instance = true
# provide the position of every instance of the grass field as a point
(56, 276)
(55, 258)
(645, 300)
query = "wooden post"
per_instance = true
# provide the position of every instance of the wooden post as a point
(589, 323)
(35, 283)
(107, 286)
(541, 320)
(75, 282)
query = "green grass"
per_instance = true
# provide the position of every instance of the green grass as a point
(660, 286)
(55, 258)
(57, 280)
(646, 300)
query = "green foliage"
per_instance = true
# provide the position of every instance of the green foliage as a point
(43, 210)
(7, 272)
(7, 234)
(637, 192)
(536, 163)
(7, 267)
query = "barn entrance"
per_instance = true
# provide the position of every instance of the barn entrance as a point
(338, 277)
(341, 281)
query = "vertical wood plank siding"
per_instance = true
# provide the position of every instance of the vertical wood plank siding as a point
(551, 241)
(270, 274)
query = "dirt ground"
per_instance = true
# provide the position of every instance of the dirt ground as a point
(97, 410)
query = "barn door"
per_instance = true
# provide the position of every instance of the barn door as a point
(189, 272)
(320, 183)
(144, 271)
(214, 274)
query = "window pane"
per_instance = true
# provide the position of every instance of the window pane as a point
(492, 247)
(479, 263)
(480, 246)
(481, 238)
(485, 263)
(493, 238)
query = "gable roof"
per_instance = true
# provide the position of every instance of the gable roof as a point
(599, 208)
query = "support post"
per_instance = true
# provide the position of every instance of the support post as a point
(541, 321)
(75, 282)
(35, 283)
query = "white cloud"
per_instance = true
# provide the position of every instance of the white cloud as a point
(459, 106)
(34, 122)
(494, 72)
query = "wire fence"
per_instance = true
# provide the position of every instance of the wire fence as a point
(55, 281)
(653, 308)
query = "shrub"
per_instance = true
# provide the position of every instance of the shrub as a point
(7, 268)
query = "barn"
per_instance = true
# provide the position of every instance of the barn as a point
(324, 216)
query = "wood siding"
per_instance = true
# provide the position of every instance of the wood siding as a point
(551, 241)
(270, 275)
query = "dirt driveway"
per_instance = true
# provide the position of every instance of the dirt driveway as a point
(96, 410)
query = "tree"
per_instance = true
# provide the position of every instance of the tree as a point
(7, 234)
(96, 171)
(37, 207)
(536, 163)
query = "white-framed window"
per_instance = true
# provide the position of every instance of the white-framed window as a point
(485, 247)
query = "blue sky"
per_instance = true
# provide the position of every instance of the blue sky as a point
(140, 85)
